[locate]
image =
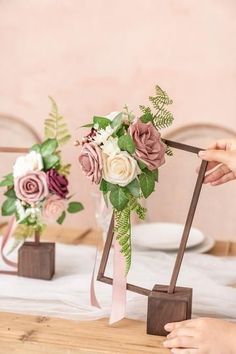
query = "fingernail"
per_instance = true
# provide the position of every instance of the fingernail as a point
(167, 327)
(201, 153)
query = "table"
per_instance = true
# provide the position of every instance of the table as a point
(21, 334)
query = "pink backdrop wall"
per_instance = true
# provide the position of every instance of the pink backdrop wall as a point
(95, 56)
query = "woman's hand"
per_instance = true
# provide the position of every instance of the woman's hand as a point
(222, 161)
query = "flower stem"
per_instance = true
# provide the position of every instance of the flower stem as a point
(37, 238)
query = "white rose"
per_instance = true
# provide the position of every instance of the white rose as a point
(111, 147)
(120, 169)
(27, 163)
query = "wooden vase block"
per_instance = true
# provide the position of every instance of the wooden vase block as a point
(36, 260)
(165, 308)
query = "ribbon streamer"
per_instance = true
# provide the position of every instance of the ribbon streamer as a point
(8, 234)
(119, 286)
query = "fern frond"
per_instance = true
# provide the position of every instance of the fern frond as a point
(145, 109)
(54, 127)
(163, 119)
(137, 207)
(123, 234)
(64, 170)
(169, 151)
(160, 99)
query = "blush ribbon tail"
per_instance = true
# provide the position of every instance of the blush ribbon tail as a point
(8, 234)
(118, 306)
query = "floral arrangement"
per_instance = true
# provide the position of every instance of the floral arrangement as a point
(37, 190)
(122, 153)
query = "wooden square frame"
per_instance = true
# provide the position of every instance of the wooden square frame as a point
(188, 224)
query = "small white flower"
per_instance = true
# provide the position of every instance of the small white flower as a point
(27, 163)
(20, 209)
(103, 134)
(110, 146)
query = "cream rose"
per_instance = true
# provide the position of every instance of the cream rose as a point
(53, 207)
(27, 163)
(120, 169)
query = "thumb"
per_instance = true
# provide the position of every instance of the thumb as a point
(214, 155)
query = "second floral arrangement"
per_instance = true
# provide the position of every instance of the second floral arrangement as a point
(122, 153)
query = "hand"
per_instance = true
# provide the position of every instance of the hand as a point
(201, 336)
(222, 161)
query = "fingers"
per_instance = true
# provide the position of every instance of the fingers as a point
(182, 331)
(180, 342)
(169, 327)
(216, 174)
(215, 155)
(226, 178)
(184, 351)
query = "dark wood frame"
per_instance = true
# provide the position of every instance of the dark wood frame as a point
(197, 190)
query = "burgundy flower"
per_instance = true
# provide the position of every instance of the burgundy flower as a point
(149, 146)
(57, 183)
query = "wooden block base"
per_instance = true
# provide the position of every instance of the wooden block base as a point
(164, 308)
(36, 260)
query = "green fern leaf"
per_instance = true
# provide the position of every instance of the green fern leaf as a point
(54, 126)
(160, 99)
(64, 170)
(169, 151)
(163, 119)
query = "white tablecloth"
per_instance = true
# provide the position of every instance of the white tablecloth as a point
(67, 295)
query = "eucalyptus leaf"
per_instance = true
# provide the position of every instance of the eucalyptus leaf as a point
(61, 219)
(49, 147)
(50, 161)
(134, 188)
(74, 207)
(147, 182)
(117, 120)
(107, 186)
(10, 193)
(126, 143)
(7, 181)
(147, 117)
(119, 199)
(36, 148)
(102, 122)
(9, 207)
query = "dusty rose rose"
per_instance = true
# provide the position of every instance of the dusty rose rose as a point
(32, 187)
(57, 183)
(53, 207)
(90, 159)
(149, 147)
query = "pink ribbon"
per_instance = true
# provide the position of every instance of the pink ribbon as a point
(8, 234)
(118, 306)
(93, 297)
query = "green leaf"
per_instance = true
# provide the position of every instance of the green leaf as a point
(10, 193)
(126, 143)
(156, 174)
(9, 207)
(117, 120)
(49, 147)
(142, 165)
(74, 207)
(50, 161)
(7, 181)
(107, 186)
(147, 117)
(134, 188)
(118, 198)
(147, 182)
(36, 148)
(102, 122)
(61, 219)
(65, 169)
(90, 125)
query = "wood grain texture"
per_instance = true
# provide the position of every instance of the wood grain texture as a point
(20, 334)
(37, 260)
